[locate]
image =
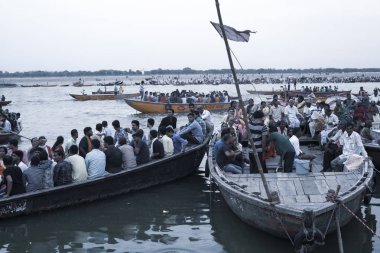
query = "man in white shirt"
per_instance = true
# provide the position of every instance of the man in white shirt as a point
(276, 112)
(331, 121)
(95, 161)
(294, 140)
(291, 113)
(106, 130)
(19, 122)
(206, 116)
(375, 97)
(333, 148)
(78, 165)
(166, 141)
(17, 159)
(71, 141)
(352, 144)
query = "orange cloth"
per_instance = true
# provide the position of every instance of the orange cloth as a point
(271, 152)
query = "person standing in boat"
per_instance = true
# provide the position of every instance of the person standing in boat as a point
(140, 148)
(95, 161)
(333, 147)
(169, 120)
(275, 112)
(259, 133)
(72, 141)
(85, 144)
(119, 132)
(114, 156)
(12, 178)
(128, 156)
(225, 156)
(142, 90)
(352, 145)
(78, 164)
(283, 148)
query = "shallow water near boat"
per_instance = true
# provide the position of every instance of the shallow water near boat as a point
(188, 215)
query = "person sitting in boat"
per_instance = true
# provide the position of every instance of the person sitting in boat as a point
(333, 148)
(283, 148)
(146, 97)
(300, 104)
(128, 156)
(352, 145)
(330, 122)
(291, 113)
(265, 110)
(365, 133)
(106, 130)
(372, 110)
(95, 161)
(114, 157)
(225, 156)
(140, 148)
(5, 125)
(33, 177)
(63, 172)
(42, 144)
(349, 104)
(201, 122)
(2, 98)
(294, 140)
(375, 97)
(98, 134)
(282, 128)
(135, 125)
(251, 107)
(12, 178)
(192, 132)
(178, 142)
(78, 164)
(169, 120)
(119, 132)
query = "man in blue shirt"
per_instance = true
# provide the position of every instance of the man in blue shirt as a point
(192, 132)
(178, 142)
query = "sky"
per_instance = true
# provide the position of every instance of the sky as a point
(56, 35)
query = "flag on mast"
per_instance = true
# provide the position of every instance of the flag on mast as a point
(232, 33)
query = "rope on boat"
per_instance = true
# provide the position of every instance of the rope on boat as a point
(283, 226)
(360, 220)
(329, 223)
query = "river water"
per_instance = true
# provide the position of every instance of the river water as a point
(188, 215)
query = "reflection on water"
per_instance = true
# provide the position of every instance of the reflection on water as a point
(185, 216)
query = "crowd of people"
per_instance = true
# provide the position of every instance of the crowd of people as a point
(99, 152)
(184, 97)
(341, 128)
(10, 121)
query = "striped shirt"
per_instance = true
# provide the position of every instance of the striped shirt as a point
(258, 129)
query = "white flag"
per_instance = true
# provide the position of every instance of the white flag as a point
(232, 33)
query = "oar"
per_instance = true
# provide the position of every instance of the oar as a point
(19, 135)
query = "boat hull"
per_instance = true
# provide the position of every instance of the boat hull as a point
(81, 97)
(258, 212)
(6, 137)
(148, 175)
(4, 103)
(151, 107)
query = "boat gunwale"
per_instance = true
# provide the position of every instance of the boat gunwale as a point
(88, 182)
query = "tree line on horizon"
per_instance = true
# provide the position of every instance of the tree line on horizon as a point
(184, 71)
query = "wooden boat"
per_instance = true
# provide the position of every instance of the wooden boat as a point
(151, 174)
(153, 107)
(112, 96)
(293, 93)
(4, 103)
(8, 85)
(298, 194)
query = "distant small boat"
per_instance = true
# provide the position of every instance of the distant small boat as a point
(4, 103)
(39, 85)
(153, 107)
(8, 85)
(83, 97)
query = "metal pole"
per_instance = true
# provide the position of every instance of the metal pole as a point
(265, 183)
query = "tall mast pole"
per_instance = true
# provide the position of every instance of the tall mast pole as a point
(265, 183)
